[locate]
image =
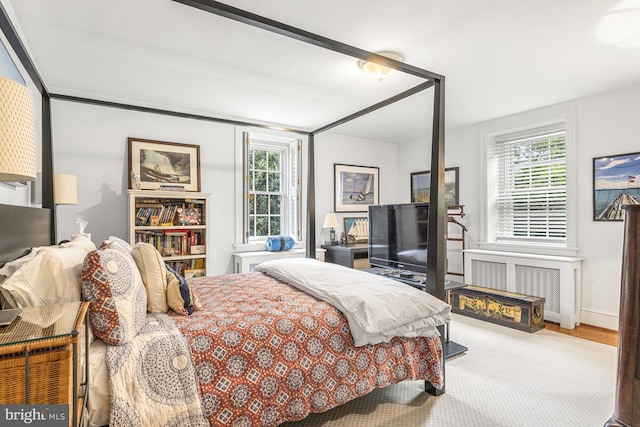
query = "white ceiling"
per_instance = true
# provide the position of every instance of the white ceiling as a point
(499, 57)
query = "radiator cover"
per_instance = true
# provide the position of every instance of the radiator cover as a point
(556, 278)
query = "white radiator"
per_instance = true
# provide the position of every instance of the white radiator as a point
(556, 278)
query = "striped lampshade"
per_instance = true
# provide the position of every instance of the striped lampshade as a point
(17, 133)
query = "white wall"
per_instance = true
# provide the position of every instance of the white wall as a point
(91, 142)
(333, 148)
(415, 156)
(606, 124)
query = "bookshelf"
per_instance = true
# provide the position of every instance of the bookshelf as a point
(175, 223)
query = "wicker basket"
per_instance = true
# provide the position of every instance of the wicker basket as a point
(41, 371)
(50, 365)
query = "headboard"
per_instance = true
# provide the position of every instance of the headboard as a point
(22, 228)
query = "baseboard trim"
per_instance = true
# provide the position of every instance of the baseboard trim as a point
(601, 320)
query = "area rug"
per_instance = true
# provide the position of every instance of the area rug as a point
(507, 378)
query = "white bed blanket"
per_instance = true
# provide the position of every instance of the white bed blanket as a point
(377, 308)
(152, 379)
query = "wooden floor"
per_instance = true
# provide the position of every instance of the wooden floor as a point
(588, 332)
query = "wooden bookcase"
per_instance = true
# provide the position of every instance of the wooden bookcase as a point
(175, 223)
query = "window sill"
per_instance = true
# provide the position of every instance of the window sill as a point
(524, 248)
(259, 246)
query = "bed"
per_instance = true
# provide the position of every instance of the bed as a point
(257, 348)
(203, 394)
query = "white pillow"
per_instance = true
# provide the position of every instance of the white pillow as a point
(154, 276)
(47, 275)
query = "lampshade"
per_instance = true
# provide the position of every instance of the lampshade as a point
(17, 133)
(65, 189)
(330, 221)
(377, 71)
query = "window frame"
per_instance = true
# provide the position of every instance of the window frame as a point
(291, 146)
(284, 192)
(488, 135)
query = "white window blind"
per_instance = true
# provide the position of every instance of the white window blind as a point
(531, 203)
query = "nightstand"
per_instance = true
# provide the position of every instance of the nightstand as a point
(39, 358)
(352, 256)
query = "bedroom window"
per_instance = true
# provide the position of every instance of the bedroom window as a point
(530, 190)
(272, 194)
(531, 203)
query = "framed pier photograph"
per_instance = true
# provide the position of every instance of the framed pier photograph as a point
(616, 183)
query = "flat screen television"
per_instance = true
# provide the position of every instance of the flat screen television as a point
(398, 236)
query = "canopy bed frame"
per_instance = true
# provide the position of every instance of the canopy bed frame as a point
(42, 232)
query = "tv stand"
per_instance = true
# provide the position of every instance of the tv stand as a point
(417, 280)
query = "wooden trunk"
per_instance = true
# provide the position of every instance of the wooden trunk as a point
(627, 405)
(518, 311)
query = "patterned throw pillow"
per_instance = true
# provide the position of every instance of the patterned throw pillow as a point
(118, 243)
(117, 298)
(179, 296)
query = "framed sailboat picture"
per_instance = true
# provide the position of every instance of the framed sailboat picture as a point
(356, 187)
(356, 229)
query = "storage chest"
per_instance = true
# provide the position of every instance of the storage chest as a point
(519, 311)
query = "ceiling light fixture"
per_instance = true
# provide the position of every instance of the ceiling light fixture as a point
(377, 71)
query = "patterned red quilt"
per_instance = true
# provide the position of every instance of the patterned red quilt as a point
(266, 353)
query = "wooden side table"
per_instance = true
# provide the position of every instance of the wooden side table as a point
(39, 357)
(352, 256)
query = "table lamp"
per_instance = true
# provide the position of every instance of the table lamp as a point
(331, 221)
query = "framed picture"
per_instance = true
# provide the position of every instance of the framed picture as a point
(421, 186)
(616, 182)
(157, 165)
(356, 187)
(356, 230)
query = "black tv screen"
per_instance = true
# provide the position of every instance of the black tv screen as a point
(398, 236)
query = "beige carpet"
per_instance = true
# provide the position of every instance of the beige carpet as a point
(507, 378)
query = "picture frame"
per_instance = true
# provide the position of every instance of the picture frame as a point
(421, 186)
(616, 182)
(356, 229)
(356, 187)
(160, 165)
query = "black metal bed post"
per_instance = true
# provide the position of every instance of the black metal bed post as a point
(311, 199)
(436, 259)
(436, 256)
